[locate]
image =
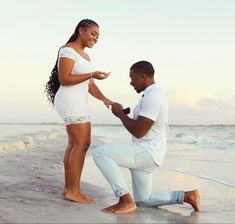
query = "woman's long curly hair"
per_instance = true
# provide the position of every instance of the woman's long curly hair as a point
(53, 84)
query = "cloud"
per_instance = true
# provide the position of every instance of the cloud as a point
(200, 107)
(188, 97)
(225, 104)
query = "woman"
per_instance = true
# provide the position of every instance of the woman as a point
(68, 86)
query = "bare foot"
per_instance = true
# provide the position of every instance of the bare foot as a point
(80, 198)
(125, 205)
(65, 191)
(193, 198)
(120, 208)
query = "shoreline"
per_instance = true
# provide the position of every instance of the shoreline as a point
(32, 185)
(106, 124)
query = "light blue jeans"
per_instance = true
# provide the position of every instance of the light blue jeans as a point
(109, 158)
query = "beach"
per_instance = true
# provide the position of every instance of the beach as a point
(31, 185)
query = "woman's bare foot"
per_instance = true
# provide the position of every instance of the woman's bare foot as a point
(65, 191)
(125, 205)
(80, 198)
(193, 198)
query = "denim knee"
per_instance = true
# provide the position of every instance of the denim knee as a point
(98, 152)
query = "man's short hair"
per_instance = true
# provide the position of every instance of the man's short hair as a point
(143, 67)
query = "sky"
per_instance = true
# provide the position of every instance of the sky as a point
(191, 44)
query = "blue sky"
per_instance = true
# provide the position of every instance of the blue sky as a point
(190, 43)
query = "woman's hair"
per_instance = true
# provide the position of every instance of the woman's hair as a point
(53, 83)
(143, 67)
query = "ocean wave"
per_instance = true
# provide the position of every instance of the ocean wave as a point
(214, 137)
(224, 182)
(205, 141)
(28, 141)
(203, 176)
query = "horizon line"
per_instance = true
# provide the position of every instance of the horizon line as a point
(111, 124)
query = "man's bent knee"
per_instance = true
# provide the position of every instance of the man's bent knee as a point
(98, 152)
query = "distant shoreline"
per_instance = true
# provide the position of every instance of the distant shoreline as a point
(55, 123)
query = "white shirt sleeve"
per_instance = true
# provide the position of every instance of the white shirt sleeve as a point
(67, 52)
(150, 107)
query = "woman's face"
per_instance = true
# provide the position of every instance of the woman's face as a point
(89, 35)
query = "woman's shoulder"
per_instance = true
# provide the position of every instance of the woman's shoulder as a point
(67, 51)
(67, 48)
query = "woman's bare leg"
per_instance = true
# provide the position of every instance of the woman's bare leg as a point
(66, 161)
(80, 134)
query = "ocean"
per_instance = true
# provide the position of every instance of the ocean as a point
(206, 152)
(15, 136)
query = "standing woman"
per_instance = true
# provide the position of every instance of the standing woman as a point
(68, 86)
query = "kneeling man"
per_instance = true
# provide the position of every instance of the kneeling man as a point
(149, 129)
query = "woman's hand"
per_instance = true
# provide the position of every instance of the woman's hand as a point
(107, 102)
(100, 75)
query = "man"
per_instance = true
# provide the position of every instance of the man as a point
(149, 129)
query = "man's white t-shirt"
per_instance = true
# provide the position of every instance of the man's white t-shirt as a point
(154, 105)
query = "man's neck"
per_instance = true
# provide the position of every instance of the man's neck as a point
(149, 83)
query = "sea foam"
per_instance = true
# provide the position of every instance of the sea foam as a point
(29, 140)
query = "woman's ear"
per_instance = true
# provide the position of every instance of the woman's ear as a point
(81, 30)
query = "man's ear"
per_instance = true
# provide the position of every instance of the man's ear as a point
(143, 76)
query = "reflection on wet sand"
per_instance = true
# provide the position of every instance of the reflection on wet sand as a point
(158, 215)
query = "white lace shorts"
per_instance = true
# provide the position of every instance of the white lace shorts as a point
(77, 120)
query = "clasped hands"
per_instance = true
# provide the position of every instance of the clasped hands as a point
(117, 109)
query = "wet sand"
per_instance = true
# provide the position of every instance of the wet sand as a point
(31, 186)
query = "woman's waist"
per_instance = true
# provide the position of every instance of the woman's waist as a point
(71, 95)
(76, 89)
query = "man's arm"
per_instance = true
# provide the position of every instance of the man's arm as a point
(138, 127)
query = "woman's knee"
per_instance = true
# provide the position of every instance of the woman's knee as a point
(86, 144)
(79, 135)
(69, 146)
(82, 144)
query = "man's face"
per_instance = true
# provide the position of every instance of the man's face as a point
(137, 81)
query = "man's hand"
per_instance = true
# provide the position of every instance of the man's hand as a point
(117, 109)
(138, 127)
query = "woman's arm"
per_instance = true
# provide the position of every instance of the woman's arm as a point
(67, 79)
(94, 91)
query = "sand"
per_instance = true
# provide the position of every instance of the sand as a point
(31, 186)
